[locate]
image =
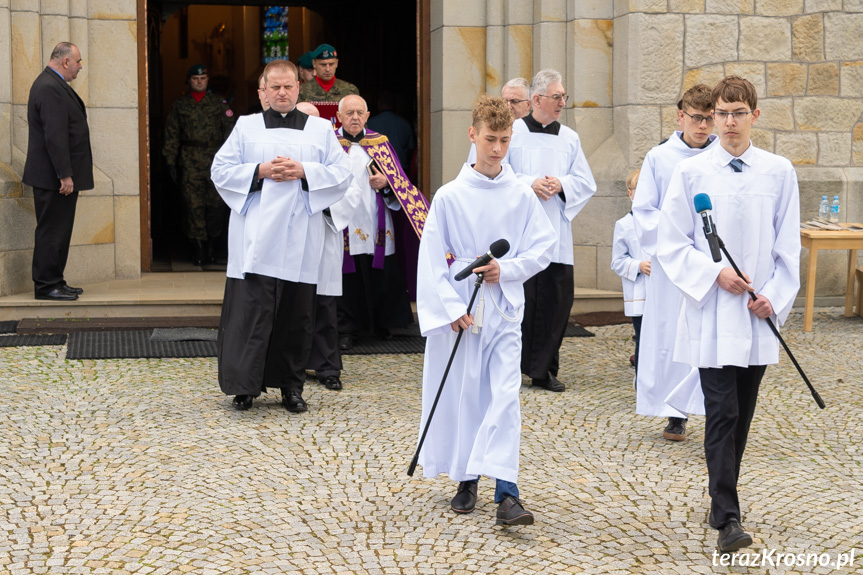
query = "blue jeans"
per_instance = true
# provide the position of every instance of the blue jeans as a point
(501, 489)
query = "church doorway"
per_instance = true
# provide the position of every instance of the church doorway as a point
(378, 50)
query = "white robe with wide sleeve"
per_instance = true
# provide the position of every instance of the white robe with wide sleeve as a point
(757, 215)
(626, 257)
(534, 156)
(658, 374)
(363, 226)
(476, 427)
(278, 232)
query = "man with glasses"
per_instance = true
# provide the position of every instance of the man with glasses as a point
(548, 157)
(516, 92)
(721, 330)
(657, 375)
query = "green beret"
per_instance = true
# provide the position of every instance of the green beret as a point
(196, 70)
(305, 61)
(324, 52)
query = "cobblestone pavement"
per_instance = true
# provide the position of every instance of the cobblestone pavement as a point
(142, 466)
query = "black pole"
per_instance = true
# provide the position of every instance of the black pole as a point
(414, 461)
(815, 395)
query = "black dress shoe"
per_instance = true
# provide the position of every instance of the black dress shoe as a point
(551, 383)
(69, 289)
(57, 294)
(294, 402)
(242, 402)
(346, 343)
(332, 382)
(512, 512)
(384, 334)
(465, 498)
(732, 537)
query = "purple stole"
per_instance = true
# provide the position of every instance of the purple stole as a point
(414, 204)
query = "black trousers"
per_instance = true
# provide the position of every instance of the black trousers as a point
(55, 216)
(636, 325)
(730, 394)
(265, 334)
(373, 299)
(325, 358)
(548, 304)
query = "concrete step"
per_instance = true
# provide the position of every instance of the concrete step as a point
(590, 300)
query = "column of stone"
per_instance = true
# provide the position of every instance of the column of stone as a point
(26, 65)
(549, 35)
(5, 87)
(518, 40)
(495, 51)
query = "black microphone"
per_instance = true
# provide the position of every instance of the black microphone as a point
(496, 250)
(703, 207)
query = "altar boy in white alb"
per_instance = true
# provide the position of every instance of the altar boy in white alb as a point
(547, 156)
(658, 374)
(476, 427)
(278, 171)
(721, 331)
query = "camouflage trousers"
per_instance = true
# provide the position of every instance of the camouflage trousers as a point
(206, 212)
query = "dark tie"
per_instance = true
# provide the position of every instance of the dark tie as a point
(736, 164)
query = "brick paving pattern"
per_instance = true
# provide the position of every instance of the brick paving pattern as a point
(142, 466)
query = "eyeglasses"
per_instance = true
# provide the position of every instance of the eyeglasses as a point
(723, 116)
(515, 102)
(557, 97)
(698, 118)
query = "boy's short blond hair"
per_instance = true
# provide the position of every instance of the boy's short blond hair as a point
(491, 112)
(632, 180)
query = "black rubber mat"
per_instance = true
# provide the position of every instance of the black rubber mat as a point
(183, 334)
(576, 331)
(29, 340)
(398, 344)
(8, 326)
(132, 344)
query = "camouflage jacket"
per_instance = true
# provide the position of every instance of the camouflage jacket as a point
(311, 91)
(200, 126)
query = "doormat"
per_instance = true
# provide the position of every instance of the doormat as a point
(132, 344)
(19, 340)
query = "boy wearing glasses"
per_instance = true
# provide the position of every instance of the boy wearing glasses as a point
(547, 156)
(756, 211)
(657, 375)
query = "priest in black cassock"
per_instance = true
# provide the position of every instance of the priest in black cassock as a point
(548, 157)
(278, 171)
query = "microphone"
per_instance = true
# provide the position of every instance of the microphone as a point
(496, 250)
(703, 207)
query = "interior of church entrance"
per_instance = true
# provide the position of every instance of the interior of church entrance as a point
(377, 51)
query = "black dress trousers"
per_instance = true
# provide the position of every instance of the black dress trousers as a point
(730, 394)
(548, 304)
(55, 216)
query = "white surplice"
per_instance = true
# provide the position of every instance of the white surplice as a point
(278, 232)
(626, 257)
(757, 215)
(477, 423)
(658, 374)
(363, 226)
(535, 156)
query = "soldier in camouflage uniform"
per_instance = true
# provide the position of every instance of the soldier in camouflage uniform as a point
(325, 87)
(197, 125)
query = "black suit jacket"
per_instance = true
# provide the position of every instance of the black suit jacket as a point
(59, 144)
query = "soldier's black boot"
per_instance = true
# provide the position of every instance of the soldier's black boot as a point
(199, 250)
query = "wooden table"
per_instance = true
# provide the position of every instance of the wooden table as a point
(829, 240)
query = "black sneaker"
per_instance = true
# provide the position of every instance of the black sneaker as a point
(676, 429)
(465, 498)
(732, 537)
(512, 512)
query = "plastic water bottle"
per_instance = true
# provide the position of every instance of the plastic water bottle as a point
(824, 209)
(834, 210)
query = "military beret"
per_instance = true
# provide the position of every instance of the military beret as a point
(305, 61)
(196, 70)
(324, 52)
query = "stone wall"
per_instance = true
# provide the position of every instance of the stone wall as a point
(106, 238)
(627, 62)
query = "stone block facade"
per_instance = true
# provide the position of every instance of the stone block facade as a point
(626, 63)
(106, 240)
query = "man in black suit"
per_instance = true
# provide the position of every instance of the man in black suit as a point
(59, 165)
